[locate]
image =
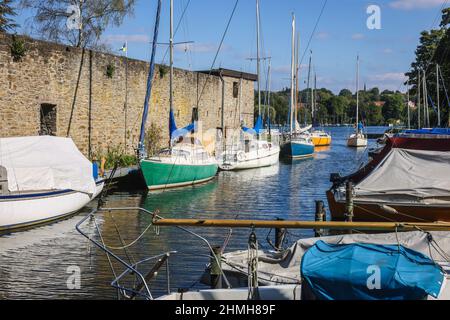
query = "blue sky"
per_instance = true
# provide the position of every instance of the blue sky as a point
(341, 34)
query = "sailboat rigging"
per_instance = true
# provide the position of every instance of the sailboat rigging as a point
(184, 162)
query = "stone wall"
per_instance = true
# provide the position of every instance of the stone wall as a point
(90, 105)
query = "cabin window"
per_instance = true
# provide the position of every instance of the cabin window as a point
(48, 120)
(235, 89)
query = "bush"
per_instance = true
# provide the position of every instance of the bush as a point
(110, 69)
(115, 155)
(153, 140)
(18, 49)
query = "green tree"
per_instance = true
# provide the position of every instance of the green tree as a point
(6, 12)
(393, 108)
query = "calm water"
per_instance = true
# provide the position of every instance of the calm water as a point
(34, 263)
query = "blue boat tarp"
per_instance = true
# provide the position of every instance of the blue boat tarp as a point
(257, 129)
(437, 131)
(369, 272)
(176, 133)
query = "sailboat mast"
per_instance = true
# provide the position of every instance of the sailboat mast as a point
(437, 95)
(297, 67)
(257, 57)
(308, 86)
(418, 99)
(292, 73)
(171, 56)
(141, 146)
(312, 93)
(357, 94)
(269, 72)
(407, 104)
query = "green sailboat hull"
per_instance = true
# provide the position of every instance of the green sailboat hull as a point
(159, 175)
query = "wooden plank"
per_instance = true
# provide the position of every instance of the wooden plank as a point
(335, 225)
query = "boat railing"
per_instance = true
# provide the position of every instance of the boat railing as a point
(141, 289)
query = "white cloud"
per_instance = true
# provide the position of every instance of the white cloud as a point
(389, 76)
(201, 47)
(139, 38)
(415, 4)
(387, 51)
(357, 36)
(322, 35)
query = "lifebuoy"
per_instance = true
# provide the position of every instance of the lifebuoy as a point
(240, 156)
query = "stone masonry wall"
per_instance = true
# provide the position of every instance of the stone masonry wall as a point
(49, 73)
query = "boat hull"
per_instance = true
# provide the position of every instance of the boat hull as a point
(160, 175)
(370, 212)
(267, 159)
(297, 150)
(321, 141)
(32, 209)
(356, 142)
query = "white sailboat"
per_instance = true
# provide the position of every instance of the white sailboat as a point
(255, 151)
(357, 139)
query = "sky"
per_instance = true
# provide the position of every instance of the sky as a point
(341, 34)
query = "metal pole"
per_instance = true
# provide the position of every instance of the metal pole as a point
(407, 105)
(171, 56)
(280, 234)
(216, 269)
(257, 57)
(349, 201)
(437, 95)
(418, 99)
(292, 105)
(357, 96)
(319, 216)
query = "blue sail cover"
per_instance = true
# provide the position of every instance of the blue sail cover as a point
(174, 132)
(257, 129)
(437, 131)
(369, 272)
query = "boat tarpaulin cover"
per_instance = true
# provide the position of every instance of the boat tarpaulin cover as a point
(45, 163)
(408, 176)
(370, 272)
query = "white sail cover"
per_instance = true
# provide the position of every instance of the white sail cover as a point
(45, 163)
(408, 176)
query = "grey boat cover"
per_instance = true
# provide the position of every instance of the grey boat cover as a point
(407, 177)
(276, 268)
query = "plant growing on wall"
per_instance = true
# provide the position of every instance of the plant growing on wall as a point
(18, 49)
(153, 140)
(110, 69)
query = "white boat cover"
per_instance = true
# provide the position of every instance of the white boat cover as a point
(45, 163)
(275, 268)
(408, 176)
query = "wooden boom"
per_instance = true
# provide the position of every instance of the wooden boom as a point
(336, 225)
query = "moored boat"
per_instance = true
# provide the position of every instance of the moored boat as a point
(43, 179)
(407, 180)
(185, 162)
(182, 165)
(320, 138)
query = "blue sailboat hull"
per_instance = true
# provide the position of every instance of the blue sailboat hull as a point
(294, 149)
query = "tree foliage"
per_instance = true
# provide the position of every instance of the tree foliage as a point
(6, 12)
(78, 23)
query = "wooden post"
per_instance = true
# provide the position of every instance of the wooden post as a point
(349, 201)
(216, 269)
(319, 216)
(280, 234)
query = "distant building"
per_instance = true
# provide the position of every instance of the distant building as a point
(379, 103)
